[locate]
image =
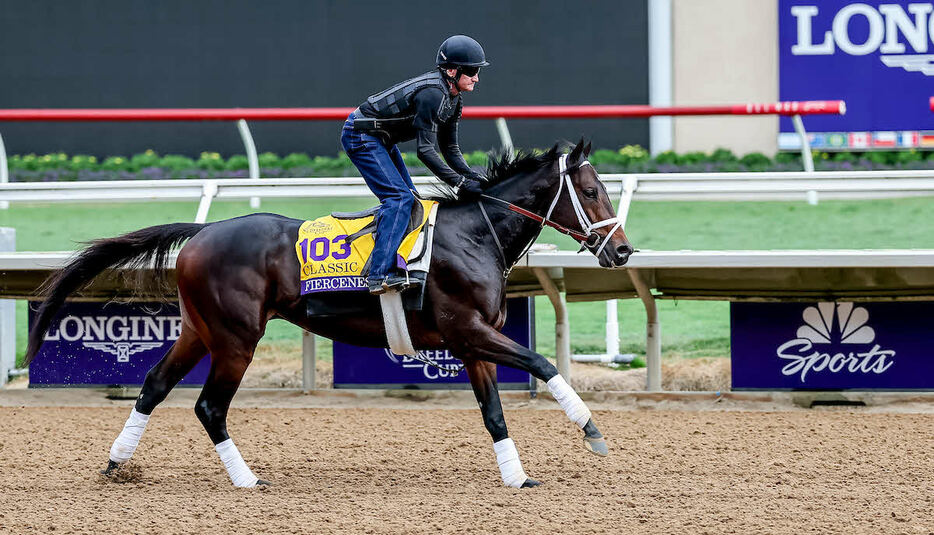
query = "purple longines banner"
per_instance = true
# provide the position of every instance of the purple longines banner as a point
(364, 367)
(877, 56)
(832, 346)
(107, 344)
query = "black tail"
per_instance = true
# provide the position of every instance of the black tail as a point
(149, 247)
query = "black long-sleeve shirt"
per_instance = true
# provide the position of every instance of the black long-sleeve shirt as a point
(425, 122)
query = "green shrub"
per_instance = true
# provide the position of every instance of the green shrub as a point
(722, 156)
(115, 163)
(909, 156)
(755, 160)
(237, 162)
(296, 159)
(176, 162)
(633, 154)
(476, 158)
(788, 158)
(211, 161)
(669, 157)
(692, 158)
(79, 162)
(845, 157)
(269, 159)
(144, 160)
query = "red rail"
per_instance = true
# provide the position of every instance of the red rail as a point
(471, 112)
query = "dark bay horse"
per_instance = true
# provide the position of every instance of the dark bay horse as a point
(235, 275)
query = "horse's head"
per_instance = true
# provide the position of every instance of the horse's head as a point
(586, 206)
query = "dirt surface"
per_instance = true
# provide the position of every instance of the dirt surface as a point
(373, 470)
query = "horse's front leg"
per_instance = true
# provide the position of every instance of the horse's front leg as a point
(483, 380)
(479, 340)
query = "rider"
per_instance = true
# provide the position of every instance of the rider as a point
(426, 108)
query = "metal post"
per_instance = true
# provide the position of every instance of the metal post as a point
(661, 128)
(208, 191)
(653, 341)
(504, 136)
(4, 172)
(7, 316)
(308, 361)
(612, 328)
(806, 155)
(562, 327)
(250, 156)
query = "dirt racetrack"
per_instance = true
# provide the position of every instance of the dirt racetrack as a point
(373, 470)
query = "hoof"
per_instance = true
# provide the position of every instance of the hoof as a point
(111, 467)
(529, 483)
(263, 482)
(597, 446)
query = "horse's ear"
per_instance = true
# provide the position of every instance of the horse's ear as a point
(587, 149)
(575, 155)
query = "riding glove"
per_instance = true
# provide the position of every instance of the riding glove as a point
(469, 188)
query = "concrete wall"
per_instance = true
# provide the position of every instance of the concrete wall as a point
(725, 52)
(244, 53)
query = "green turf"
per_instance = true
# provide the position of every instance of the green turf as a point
(688, 328)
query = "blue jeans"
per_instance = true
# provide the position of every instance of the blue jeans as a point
(385, 173)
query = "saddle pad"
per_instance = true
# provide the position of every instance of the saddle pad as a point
(330, 263)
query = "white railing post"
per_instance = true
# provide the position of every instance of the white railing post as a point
(806, 155)
(251, 156)
(504, 136)
(562, 327)
(7, 315)
(309, 359)
(4, 172)
(208, 192)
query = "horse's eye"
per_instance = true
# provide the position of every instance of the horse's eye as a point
(590, 193)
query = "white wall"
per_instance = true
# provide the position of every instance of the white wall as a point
(725, 52)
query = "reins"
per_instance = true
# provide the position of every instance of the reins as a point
(587, 228)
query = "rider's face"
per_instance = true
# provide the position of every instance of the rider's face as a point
(465, 83)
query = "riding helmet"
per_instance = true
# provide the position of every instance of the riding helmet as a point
(461, 51)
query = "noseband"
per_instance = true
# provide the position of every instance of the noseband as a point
(586, 236)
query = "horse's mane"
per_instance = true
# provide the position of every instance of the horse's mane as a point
(502, 166)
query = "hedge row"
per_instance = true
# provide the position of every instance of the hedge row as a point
(629, 159)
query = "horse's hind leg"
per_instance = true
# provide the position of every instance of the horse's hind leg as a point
(184, 354)
(229, 363)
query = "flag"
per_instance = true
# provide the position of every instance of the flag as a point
(884, 140)
(859, 140)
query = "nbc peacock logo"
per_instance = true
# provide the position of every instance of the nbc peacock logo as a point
(836, 338)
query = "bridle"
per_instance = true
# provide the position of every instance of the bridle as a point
(586, 236)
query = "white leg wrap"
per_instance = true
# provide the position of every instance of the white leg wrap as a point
(572, 404)
(128, 439)
(507, 457)
(240, 473)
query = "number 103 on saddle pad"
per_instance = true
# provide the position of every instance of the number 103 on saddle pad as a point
(333, 251)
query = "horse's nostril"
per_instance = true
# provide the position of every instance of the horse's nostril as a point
(624, 250)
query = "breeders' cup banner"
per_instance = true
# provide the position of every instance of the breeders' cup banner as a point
(877, 56)
(832, 346)
(364, 367)
(105, 344)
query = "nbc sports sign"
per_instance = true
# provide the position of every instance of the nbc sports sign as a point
(366, 367)
(832, 346)
(95, 344)
(877, 56)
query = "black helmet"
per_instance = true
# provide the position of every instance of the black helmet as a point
(461, 51)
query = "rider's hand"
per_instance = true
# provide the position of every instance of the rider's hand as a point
(470, 189)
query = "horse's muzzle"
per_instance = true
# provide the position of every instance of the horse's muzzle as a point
(615, 257)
